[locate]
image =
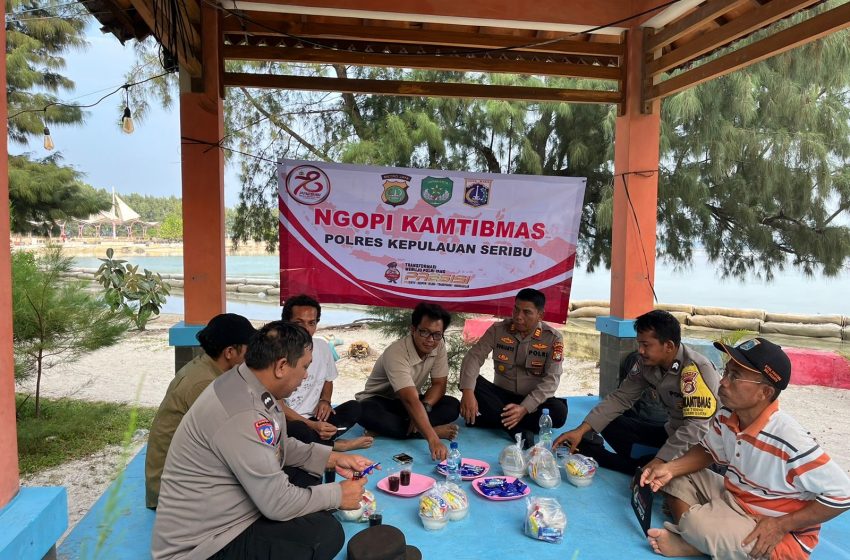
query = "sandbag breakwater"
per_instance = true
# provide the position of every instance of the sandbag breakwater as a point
(756, 320)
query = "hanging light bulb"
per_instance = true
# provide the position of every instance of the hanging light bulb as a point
(127, 121)
(48, 141)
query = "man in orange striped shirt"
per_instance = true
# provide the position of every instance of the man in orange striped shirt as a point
(779, 485)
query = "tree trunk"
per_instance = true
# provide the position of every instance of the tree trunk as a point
(38, 385)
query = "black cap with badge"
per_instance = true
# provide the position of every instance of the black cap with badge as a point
(761, 356)
(227, 329)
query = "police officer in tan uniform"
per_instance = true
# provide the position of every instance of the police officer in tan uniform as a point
(234, 485)
(527, 356)
(685, 382)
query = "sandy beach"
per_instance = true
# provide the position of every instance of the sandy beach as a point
(139, 368)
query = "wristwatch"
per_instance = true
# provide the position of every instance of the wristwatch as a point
(428, 407)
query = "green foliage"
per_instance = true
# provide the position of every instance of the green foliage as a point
(394, 323)
(171, 228)
(71, 429)
(55, 320)
(138, 296)
(36, 39)
(43, 192)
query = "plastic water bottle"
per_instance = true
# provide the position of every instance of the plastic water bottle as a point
(453, 464)
(546, 428)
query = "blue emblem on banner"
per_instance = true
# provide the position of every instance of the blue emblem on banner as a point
(477, 192)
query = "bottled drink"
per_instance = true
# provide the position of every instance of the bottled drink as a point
(453, 464)
(546, 428)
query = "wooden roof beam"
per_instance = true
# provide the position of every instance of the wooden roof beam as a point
(711, 10)
(431, 62)
(735, 29)
(418, 37)
(420, 89)
(805, 32)
(190, 60)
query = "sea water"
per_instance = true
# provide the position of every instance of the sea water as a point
(700, 284)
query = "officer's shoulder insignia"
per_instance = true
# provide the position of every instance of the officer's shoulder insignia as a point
(268, 400)
(675, 366)
(506, 340)
(537, 332)
(512, 328)
(558, 351)
(697, 399)
(265, 431)
(636, 369)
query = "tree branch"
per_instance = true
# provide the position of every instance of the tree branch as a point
(351, 107)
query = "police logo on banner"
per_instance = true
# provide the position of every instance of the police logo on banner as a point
(395, 189)
(392, 273)
(436, 191)
(307, 184)
(477, 192)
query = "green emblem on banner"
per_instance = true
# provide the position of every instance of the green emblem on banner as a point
(436, 191)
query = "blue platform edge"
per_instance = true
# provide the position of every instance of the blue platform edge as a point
(32, 522)
(600, 521)
(182, 334)
(621, 328)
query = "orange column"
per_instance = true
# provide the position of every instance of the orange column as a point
(636, 152)
(202, 119)
(8, 427)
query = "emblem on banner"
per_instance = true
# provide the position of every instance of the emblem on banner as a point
(308, 184)
(395, 189)
(436, 191)
(477, 192)
(392, 274)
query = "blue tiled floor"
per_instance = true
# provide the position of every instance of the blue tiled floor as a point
(601, 524)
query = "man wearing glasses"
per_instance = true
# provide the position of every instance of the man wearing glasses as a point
(779, 485)
(527, 356)
(392, 402)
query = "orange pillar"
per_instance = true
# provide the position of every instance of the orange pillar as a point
(202, 118)
(8, 426)
(636, 155)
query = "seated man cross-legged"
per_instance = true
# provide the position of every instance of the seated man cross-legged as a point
(779, 486)
(392, 402)
(685, 383)
(527, 356)
(309, 415)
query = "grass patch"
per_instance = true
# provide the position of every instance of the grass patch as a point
(70, 429)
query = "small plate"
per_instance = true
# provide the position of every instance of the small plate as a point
(472, 462)
(418, 483)
(476, 486)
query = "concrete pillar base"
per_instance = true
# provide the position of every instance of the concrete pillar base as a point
(186, 347)
(616, 340)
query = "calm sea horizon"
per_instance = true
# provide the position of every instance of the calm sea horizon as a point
(699, 284)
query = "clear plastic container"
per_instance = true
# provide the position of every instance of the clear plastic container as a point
(512, 459)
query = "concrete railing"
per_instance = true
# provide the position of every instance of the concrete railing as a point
(756, 320)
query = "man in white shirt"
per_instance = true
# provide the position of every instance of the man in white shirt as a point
(309, 415)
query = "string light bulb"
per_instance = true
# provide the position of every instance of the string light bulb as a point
(127, 121)
(48, 140)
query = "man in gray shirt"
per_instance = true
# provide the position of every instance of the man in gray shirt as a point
(234, 485)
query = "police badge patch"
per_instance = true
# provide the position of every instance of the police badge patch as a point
(697, 399)
(557, 351)
(265, 431)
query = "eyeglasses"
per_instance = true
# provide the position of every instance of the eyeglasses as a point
(425, 333)
(734, 376)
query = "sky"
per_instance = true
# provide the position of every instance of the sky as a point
(145, 162)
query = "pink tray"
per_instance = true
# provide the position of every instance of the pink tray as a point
(473, 462)
(418, 483)
(476, 483)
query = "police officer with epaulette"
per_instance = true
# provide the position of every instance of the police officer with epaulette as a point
(234, 485)
(527, 356)
(685, 383)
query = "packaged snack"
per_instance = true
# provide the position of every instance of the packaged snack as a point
(502, 488)
(433, 510)
(368, 506)
(513, 460)
(542, 467)
(456, 499)
(544, 519)
(580, 469)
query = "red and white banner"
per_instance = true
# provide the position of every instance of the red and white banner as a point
(396, 236)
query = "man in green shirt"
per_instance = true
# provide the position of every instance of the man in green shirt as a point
(224, 341)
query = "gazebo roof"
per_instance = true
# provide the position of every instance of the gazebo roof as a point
(548, 38)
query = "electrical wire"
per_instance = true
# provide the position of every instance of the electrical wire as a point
(637, 223)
